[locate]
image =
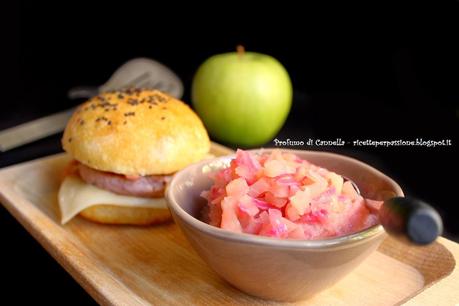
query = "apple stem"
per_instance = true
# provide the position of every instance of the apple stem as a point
(240, 50)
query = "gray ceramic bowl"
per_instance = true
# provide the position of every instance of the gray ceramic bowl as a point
(283, 270)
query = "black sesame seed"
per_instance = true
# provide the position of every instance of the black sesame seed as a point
(101, 118)
(106, 105)
(133, 101)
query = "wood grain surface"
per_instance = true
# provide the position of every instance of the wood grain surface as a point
(127, 265)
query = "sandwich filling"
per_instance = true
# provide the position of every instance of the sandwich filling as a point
(84, 187)
(151, 186)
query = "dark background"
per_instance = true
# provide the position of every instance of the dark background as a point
(358, 73)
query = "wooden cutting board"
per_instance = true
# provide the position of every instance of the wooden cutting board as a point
(127, 265)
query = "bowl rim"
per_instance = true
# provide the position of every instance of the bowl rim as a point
(322, 244)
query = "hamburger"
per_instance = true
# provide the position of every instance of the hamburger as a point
(125, 147)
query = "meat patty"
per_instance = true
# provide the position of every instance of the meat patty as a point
(151, 186)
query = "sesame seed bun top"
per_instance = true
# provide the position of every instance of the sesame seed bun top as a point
(135, 132)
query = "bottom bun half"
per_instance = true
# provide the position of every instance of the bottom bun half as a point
(112, 214)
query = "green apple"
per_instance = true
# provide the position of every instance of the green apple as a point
(242, 97)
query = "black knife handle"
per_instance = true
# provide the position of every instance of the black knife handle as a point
(410, 219)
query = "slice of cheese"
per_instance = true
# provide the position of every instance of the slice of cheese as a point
(75, 195)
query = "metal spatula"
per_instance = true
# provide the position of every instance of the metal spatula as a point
(137, 73)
